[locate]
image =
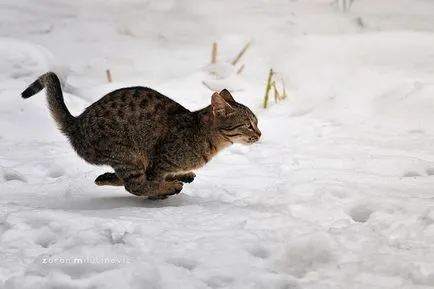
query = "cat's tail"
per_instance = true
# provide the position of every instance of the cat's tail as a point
(58, 109)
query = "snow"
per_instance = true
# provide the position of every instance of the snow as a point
(337, 194)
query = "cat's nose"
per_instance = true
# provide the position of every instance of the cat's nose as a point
(259, 133)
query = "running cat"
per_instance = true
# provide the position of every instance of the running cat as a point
(152, 142)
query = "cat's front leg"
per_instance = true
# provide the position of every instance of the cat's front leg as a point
(167, 185)
(166, 189)
(182, 177)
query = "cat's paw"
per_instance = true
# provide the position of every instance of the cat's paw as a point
(187, 178)
(108, 179)
(169, 189)
(176, 189)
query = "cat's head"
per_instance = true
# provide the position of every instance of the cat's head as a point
(234, 121)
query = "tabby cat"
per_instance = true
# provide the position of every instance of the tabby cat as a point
(152, 142)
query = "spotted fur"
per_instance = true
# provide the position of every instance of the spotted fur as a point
(152, 142)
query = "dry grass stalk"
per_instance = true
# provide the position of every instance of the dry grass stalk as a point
(284, 95)
(207, 86)
(240, 70)
(277, 96)
(271, 84)
(109, 75)
(214, 53)
(240, 54)
(268, 88)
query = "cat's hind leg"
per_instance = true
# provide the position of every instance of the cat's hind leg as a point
(109, 179)
(133, 170)
(182, 177)
(136, 182)
(155, 189)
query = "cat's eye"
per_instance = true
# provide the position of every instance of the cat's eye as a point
(251, 126)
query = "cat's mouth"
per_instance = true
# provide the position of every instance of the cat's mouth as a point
(244, 139)
(252, 139)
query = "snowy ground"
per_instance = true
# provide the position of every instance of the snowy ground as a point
(338, 194)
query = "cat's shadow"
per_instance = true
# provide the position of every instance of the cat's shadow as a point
(129, 201)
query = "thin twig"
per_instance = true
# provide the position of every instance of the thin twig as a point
(240, 70)
(284, 95)
(109, 75)
(214, 53)
(207, 86)
(277, 96)
(267, 88)
(240, 54)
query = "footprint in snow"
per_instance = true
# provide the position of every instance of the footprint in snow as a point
(411, 174)
(303, 254)
(56, 172)
(259, 252)
(416, 131)
(12, 175)
(184, 263)
(219, 281)
(429, 171)
(116, 236)
(35, 228)
(360, 213)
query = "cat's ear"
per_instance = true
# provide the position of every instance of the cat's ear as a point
(227, 95)
(219, 105)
